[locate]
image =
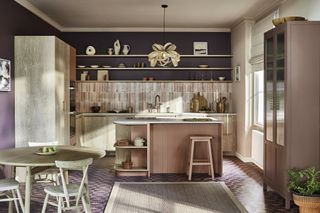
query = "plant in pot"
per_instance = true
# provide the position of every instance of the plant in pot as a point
(305, 185)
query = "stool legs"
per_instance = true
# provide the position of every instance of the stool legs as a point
(193, 162)
(191, 159)
(211, 160)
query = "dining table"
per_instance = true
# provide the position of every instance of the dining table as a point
(34, 161)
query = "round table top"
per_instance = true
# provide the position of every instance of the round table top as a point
(26, 156)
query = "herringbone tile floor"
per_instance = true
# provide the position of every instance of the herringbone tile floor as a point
(243, 179)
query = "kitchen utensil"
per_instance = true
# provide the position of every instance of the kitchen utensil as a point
(203, 65)
(221, 78)
(94, 66)
(95, 109)
(81, 66)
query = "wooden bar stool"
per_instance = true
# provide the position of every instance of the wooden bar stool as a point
(200, 162)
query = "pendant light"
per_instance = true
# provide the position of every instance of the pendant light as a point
(164, 55)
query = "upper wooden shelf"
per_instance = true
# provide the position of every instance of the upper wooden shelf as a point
(157, 68)
(141, 56)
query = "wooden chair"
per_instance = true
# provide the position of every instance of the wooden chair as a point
(44, 176)
(8, 189)
(200, 162)
(65, 191)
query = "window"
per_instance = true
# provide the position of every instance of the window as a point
(258, 98)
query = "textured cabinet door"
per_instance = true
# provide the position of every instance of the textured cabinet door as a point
(95, 132)
(42, 66)
(79, 131)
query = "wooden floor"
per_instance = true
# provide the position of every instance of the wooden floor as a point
(244, 180)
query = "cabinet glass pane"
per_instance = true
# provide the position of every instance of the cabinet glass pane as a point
(280, 63)
(269, 89)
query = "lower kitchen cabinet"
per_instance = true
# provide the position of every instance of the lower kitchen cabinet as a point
(229, 136)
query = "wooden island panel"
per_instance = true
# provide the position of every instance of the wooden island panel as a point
(170, 147)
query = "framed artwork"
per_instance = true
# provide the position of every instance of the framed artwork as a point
(5, 75)
(200, 48)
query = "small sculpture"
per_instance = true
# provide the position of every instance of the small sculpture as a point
(117, 47)
(90, 50)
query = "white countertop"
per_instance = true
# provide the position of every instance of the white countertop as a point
(161, 114)
(161, 120)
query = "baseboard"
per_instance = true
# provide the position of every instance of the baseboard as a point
(247, 160)
(243, 159)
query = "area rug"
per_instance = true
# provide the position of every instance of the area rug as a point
(172, 197)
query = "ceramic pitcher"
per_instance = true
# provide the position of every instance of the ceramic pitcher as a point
(126, 49)
(117, 47)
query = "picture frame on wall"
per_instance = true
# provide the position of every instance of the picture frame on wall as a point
(200, 48)
(5, 75)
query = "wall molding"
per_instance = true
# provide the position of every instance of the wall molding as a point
(61, 28)
(39, 13)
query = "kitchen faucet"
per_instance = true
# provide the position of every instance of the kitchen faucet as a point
(157, 102)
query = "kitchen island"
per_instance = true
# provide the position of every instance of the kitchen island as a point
(167, 144)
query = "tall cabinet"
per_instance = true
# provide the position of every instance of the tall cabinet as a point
(292, 93)
(42, 75)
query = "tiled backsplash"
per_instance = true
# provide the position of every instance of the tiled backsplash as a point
(175, 95)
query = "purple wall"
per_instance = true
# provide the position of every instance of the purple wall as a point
(15, 20)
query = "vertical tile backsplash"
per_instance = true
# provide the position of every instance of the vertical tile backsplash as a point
(176, 95)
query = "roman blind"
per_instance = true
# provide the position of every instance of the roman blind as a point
(257, 41)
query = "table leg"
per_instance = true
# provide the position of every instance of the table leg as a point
(27, 195)
(13, 175)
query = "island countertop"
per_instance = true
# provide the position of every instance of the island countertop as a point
(159, 120)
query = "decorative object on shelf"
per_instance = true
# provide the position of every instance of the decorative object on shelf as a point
(5, 79)
(237, 73)
(81, 66)
(94, 66)
(282, 20)
(200, 48)
(139, 141)
(198, 102)
(84, 76)
(221, 105)
(221, 78)
(90, 50)
(203, 65)
(103, 75)
(139, 65)
(164, 55)
(110, 51)
(126, 49)
(95, 109)
(122, 65)
(122, 142)
(130, 109)
(305, 185)
(127, 164)
(117, 47)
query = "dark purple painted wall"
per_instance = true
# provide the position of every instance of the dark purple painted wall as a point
(15, 20)
(141, 42)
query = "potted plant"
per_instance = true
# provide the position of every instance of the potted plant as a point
(305, 185)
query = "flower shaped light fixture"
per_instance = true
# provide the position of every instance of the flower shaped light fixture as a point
(164, 55)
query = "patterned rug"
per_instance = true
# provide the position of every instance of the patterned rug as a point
(100, 185)
(174, 197)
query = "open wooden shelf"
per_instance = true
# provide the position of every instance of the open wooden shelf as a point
(156, 81)
(144, 55)
(159, 68)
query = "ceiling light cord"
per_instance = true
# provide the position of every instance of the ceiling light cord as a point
(164, 6)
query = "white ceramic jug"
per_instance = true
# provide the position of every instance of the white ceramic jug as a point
(126, 49)
(117, 47)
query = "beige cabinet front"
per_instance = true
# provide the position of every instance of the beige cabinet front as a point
(229, 137)
(95, 132)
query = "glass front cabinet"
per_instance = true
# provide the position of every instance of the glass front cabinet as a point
(292, 97)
